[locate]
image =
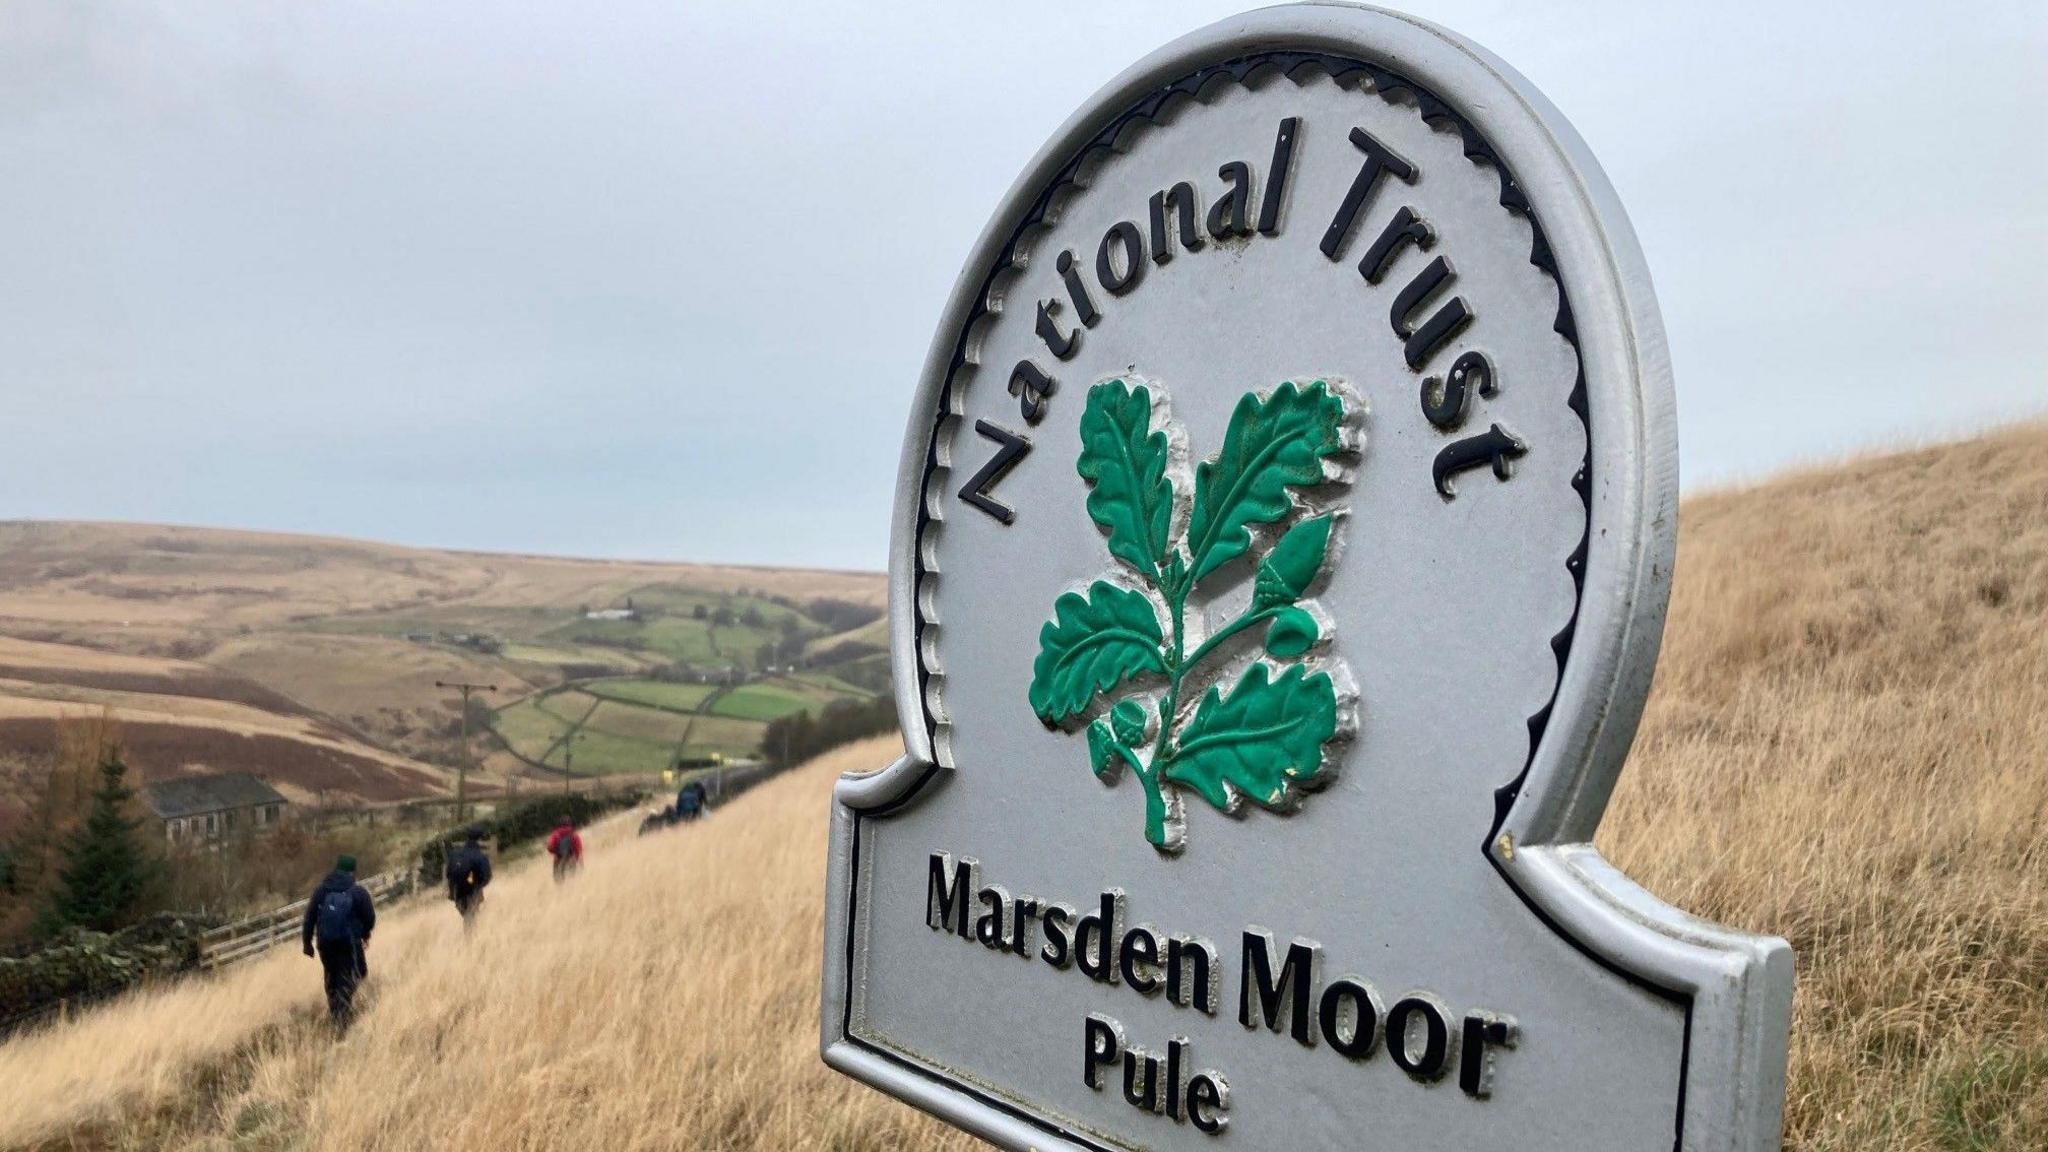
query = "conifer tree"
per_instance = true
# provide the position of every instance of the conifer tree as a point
(105, 874)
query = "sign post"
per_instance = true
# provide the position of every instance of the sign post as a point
(1281, 550)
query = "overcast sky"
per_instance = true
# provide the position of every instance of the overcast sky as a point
(656, 280)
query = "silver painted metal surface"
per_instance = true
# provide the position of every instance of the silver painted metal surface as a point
(1467, 625)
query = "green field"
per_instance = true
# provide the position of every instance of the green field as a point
(726, 735)
(631, 720)
(624, 724)
(530, 731)
(819, 688)
(652, 693)
(593, 753)
(672, 600)
(544, 654)
(567, 707)
(872, 635)
(681, 639)
(642, 726)
(826, 682)
(731, 632)
(676, 638)
(764, 701)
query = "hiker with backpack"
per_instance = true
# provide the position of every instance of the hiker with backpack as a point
(339, 919)
(469, 872)
(690, 801)
(567, 849)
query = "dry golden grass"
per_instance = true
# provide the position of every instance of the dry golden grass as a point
(1848, 746)
(665, 999)
(32, 654)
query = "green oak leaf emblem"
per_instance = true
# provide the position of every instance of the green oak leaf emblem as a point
(1126, 638)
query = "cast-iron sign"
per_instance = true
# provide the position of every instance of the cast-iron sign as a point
(1281, 550)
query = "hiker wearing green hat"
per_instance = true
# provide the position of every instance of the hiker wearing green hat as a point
(339, 919)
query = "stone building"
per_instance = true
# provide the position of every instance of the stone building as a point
(198, 809)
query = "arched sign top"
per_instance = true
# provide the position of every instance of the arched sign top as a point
(1282, 543)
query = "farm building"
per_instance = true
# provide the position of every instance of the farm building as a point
(204, 808)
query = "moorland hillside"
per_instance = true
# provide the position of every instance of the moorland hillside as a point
(312, 661)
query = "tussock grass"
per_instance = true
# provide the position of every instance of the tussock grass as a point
(1847, 745)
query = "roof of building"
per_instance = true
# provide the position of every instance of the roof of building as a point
(199, 795)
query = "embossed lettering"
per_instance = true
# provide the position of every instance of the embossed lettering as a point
(1264, 999)
(1379, 161)
(1496, 446)
(1010, 448)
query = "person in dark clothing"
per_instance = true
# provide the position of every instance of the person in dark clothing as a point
(339, 919)
(469, 872)
(690, 801)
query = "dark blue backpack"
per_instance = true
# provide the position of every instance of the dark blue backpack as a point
(334, 920)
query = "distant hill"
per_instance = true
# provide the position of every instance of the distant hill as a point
(312, 661)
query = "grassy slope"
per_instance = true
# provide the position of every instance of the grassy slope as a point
(1846, 746)
(609, 1021)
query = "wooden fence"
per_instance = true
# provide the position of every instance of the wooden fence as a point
(254, 936)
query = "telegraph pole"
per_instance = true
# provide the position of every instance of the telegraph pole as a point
(462, 765)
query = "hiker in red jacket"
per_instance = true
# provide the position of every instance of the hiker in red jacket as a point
(567, 849)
